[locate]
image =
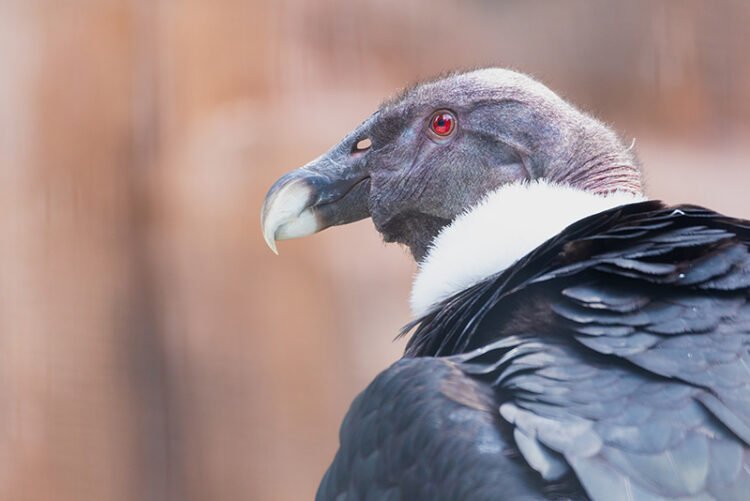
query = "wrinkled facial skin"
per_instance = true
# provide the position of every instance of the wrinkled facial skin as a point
(413, 182)
(420, 181)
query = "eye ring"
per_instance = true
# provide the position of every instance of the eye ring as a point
(442, 123)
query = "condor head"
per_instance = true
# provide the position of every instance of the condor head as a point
(437, 150)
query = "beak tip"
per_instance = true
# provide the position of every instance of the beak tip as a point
(269, 235)
(286, 211)
(272, 245)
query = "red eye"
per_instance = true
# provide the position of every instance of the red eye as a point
(443, 123)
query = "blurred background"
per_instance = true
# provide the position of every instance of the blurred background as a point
(151, 346)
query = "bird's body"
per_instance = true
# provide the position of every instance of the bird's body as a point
(571, 341)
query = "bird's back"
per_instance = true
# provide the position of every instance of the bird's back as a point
(611, 362)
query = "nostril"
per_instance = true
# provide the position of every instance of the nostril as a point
(362, 145)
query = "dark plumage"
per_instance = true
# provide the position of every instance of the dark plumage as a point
(610, 362)
(617, 355)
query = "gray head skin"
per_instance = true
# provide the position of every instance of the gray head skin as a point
(412, 182)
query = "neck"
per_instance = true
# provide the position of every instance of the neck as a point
(594, 159)
(508, 224)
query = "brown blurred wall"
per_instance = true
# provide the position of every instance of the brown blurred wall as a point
(151, 347)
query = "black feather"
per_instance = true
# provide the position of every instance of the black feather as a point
(612, 362)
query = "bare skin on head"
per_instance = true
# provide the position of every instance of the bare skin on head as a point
(441, 147)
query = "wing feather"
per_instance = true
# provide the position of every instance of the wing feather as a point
(631, 360)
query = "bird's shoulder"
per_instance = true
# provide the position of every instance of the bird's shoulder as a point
(621, 351)
(648, 248)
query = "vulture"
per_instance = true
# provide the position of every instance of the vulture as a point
(571, 338)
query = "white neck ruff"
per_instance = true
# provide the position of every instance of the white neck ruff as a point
(508, 224)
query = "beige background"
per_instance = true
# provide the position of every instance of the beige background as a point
(151, 347)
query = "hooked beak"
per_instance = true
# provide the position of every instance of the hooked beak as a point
(305, 201)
